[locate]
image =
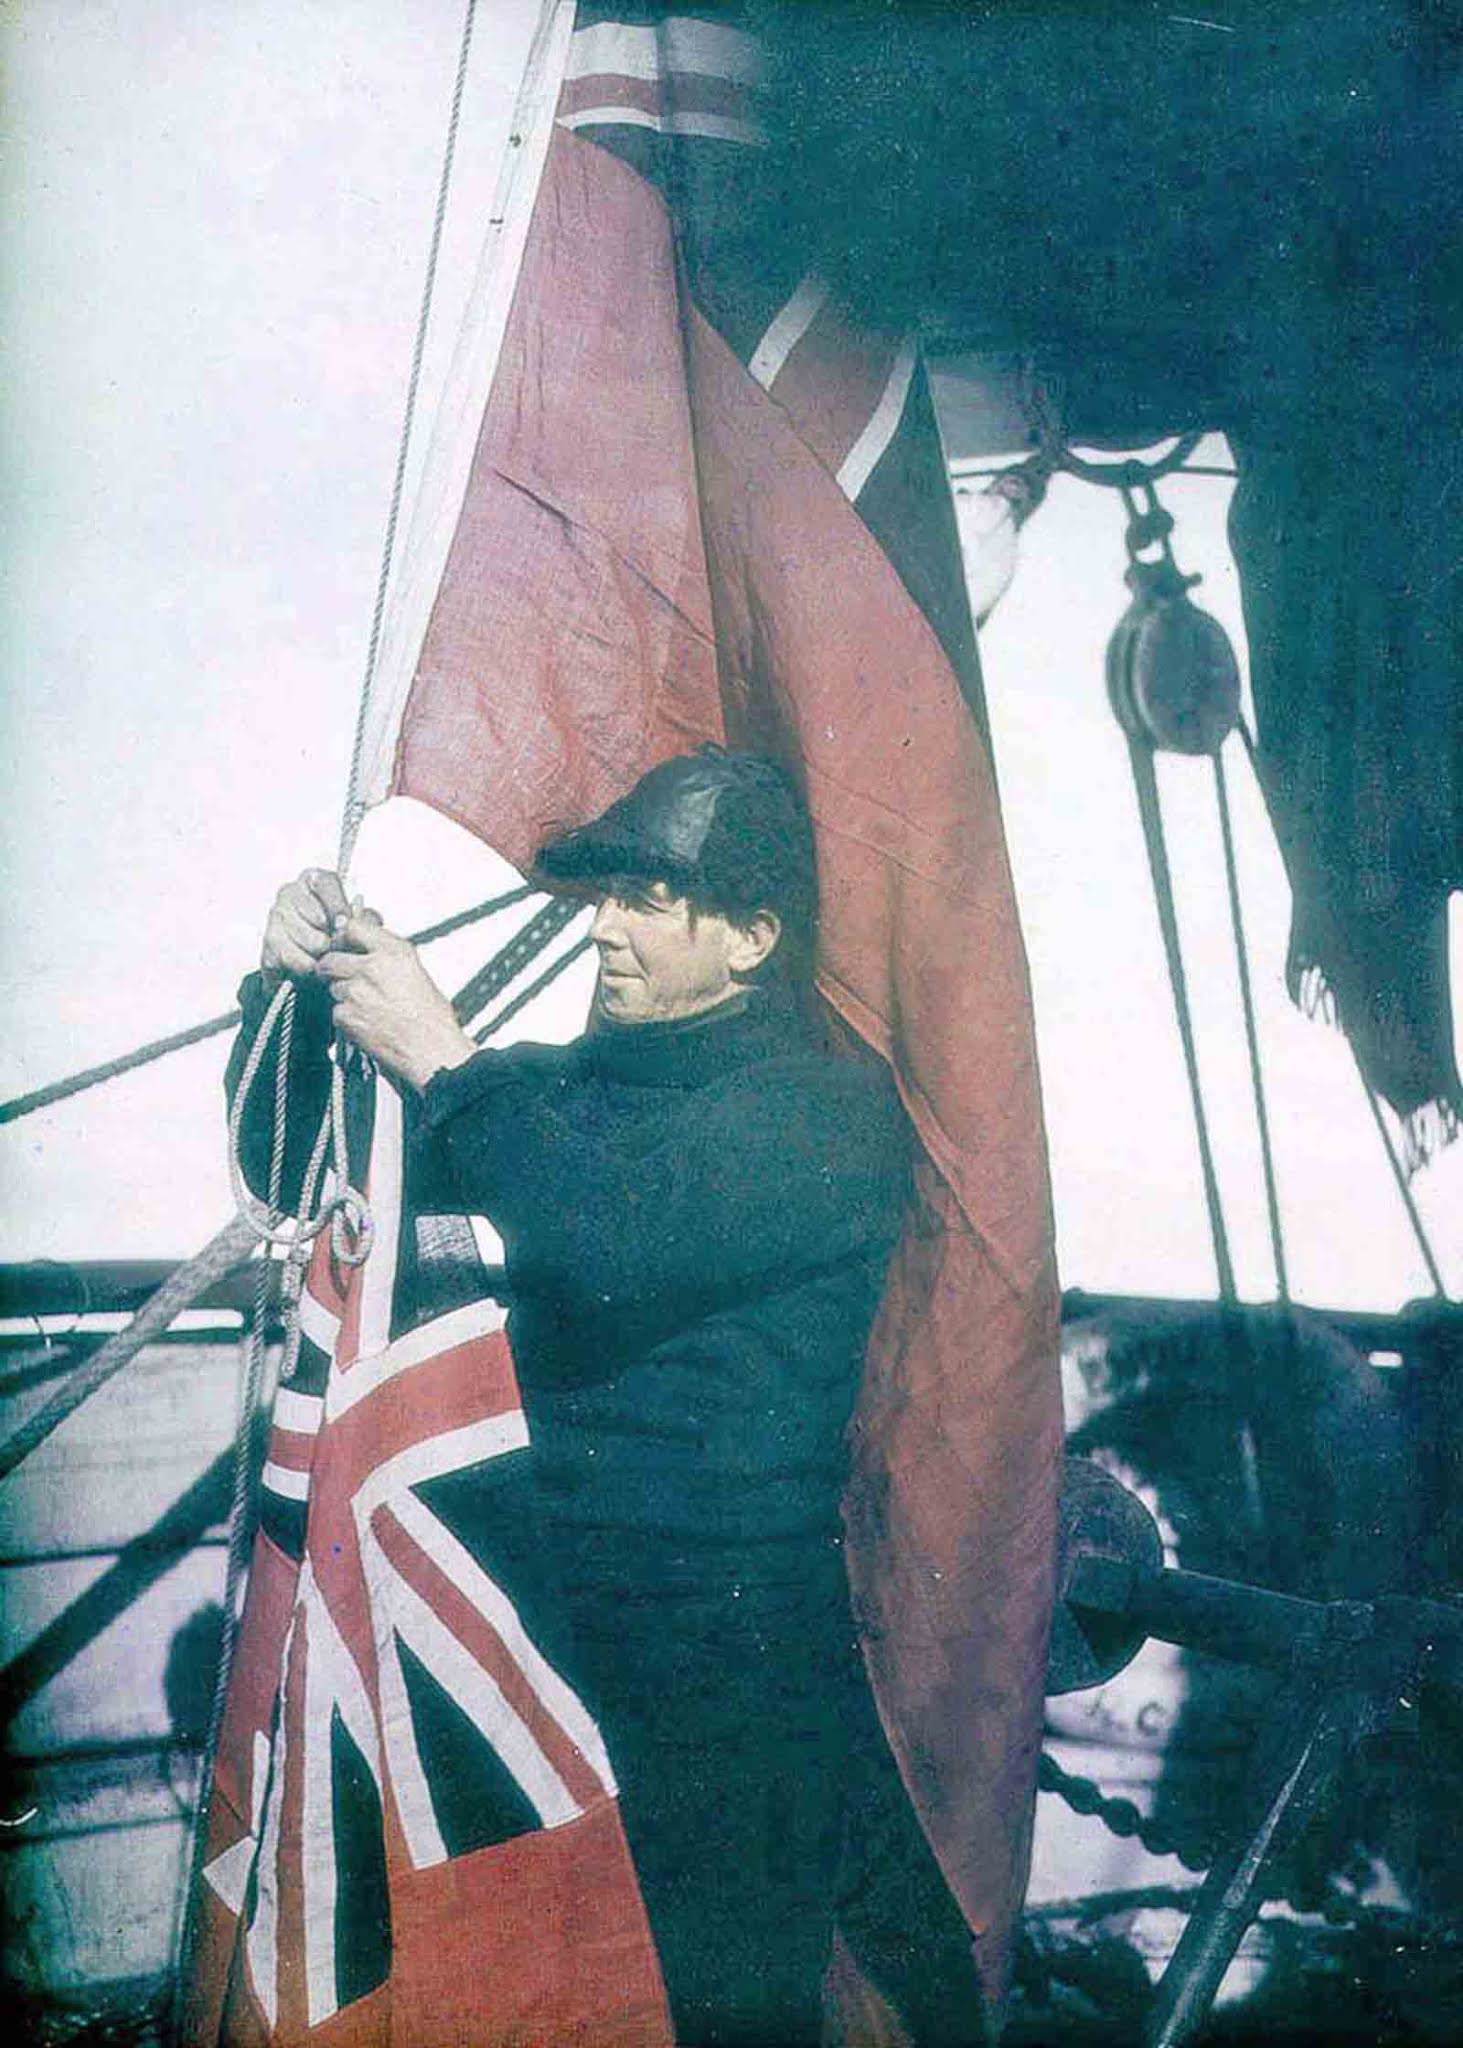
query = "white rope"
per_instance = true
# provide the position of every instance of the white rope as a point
(440, 489)
(260, 1216)
(345, 1208)
(351, 1227)
(355, 806)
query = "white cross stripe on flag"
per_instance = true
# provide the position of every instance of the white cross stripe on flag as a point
(319, 1323)
(872, 444)
(680, 43)
(261, 1943)
(332, 1685)
(299, 1414)
(228, 1874)
(787, 329)
(398, 1412)
(428, 1340)
(281, 1480)
(531, 1719)
(681, 76)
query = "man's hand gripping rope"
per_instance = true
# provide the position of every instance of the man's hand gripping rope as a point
(383, 1000)
(384, 1003)
(298, 933)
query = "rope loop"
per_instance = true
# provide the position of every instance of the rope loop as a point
(352, 1228)
(263, 1217)
(345, 1208)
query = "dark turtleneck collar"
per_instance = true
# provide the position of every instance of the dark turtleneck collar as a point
(688, 1052)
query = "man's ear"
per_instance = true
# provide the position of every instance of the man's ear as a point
(752, 941)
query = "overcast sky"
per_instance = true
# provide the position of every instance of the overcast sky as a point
(218, 223)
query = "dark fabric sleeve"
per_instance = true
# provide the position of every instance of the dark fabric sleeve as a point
(487, 1092)
(795, 1168)
(308, 1079)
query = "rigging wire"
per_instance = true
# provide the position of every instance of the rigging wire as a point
(983, 467)
(509, 962)
(1145, 784)
(540, 982)
(213, 1027)
(93, 1077)
(1124, 475)
(333, 1127)
(1252, 1037)
(221, 1255)
(1131, 471)
(1394, 1162)
(355, 808)
(1399, 1176)
(1235, 1350)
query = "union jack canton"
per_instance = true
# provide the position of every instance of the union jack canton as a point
(413, 1834)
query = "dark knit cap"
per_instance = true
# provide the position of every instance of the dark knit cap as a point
(728, 830)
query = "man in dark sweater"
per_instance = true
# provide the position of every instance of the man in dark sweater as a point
(697, 1204)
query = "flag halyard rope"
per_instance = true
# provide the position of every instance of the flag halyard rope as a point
(355, 807)
(240, 1538)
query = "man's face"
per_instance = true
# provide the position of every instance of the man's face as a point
(658, 958)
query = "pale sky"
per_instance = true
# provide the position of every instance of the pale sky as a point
(218, 221)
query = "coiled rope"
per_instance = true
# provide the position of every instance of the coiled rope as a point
(345, 1209)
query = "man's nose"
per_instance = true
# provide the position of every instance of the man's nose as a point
(607, 929)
